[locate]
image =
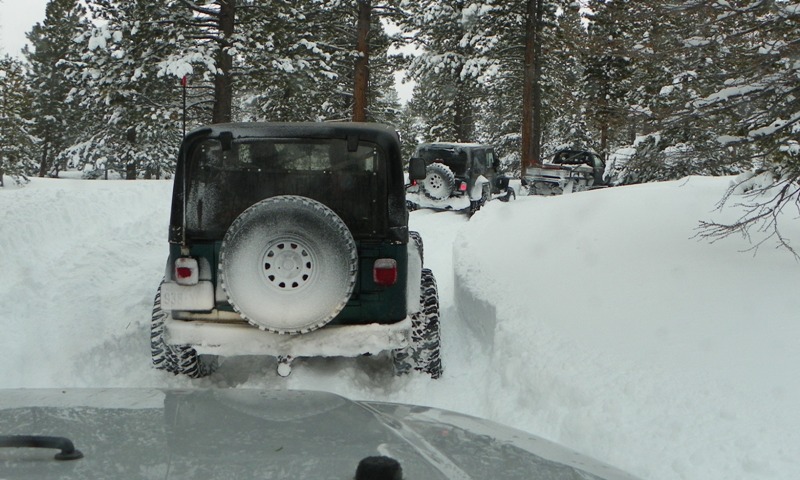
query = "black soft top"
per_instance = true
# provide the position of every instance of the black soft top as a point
(384, 136)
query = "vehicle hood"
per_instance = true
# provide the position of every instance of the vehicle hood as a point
(232, 433)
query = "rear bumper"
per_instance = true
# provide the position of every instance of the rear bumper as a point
(233, 339)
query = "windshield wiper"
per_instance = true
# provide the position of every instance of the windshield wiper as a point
(68, 451)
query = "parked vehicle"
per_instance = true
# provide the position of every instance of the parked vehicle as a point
(249, 434)
(460, 176)
(291, 240)
(568, 171)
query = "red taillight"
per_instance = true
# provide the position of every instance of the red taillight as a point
(413, 182)
(186, 271)
(384, 271)
(463, 187)
(183, 272)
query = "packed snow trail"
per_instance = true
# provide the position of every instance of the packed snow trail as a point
(87, 257)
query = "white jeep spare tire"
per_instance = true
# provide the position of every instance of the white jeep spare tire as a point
(288, 264)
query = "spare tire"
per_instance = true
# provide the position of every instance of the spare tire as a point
(439, 182)
(288, 264)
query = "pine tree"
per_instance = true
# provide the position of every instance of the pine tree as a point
(315, 79)
(135, 123)
(292, 72)
(749, 106)
(275, 60)
(494, 32)
(704, 76)
(446, 70)
(749, 98)
(668, 59)
(16, 143)
(608, 70)
(53, 122)
(565, 123)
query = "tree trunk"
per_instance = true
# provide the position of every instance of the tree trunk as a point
(43, 167)
(223, 83)
(532, 89)
(130, 165)
(3, 136)
(362, 62)
(464, 119)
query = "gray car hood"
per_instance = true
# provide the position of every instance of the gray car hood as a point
(267, 434)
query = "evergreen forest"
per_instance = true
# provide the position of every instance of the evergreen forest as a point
(660, 89)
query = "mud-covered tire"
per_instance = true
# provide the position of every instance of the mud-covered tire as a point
(424, 352)
(417, 239)
(177, 359)
(474, 206)
(288, 264)
(440, 182)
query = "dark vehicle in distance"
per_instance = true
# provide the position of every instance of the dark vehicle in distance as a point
(249, 434)
(459, 171)
(291, 240)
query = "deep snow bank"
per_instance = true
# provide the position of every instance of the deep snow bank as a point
(617, 332)
(81, 262)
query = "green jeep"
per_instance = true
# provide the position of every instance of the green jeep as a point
(460, 176)
(291, 240)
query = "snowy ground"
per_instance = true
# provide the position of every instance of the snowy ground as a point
(591, 319)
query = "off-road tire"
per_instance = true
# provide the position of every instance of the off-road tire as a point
(510, 195)
(177, 359)
(474, 206)
(440, 182)
(417, 239)
(288, 264)
(424, 352)
(486, 195)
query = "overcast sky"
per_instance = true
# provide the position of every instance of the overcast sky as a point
(16, 19)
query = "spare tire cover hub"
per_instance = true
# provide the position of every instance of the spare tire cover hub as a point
(289, 264)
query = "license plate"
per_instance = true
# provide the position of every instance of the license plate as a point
(198, 297)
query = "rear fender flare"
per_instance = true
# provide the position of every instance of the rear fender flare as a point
(476, 192)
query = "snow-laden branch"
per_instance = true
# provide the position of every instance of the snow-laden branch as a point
(764, 201)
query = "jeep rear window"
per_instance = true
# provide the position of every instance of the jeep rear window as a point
(456, 159)
(223, 183)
